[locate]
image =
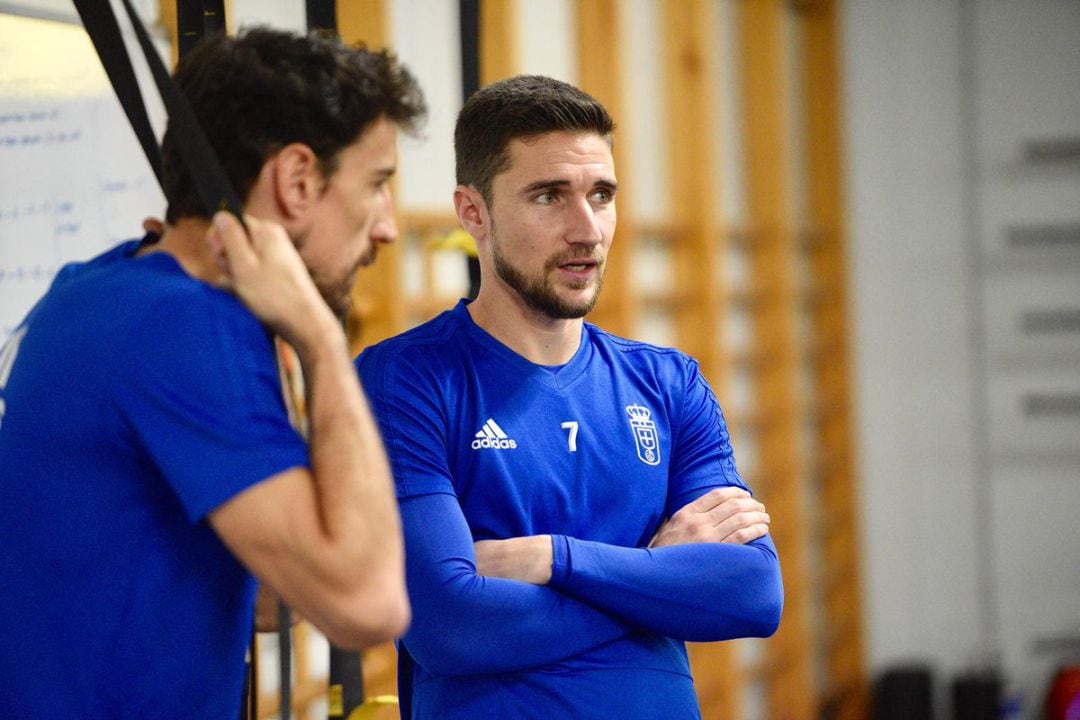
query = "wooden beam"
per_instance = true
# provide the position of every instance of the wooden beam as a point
(691, 80)
(498, 40)
(599, 46)
(376, 312)
(167, 16)
(771, 211)
(363, 21)
(836, 436)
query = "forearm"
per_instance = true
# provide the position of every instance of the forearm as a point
(467, 624)
(700, 592)
(349, 464)
(325, 539)
(358, 515)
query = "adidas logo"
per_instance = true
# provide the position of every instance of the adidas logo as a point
(492, 436)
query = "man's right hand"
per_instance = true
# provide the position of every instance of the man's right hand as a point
(724, 515)
(264, 270)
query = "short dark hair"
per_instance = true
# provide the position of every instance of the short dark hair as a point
(257, 92)
(518, 108)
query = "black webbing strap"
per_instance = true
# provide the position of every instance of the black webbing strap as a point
(189, 25)
(285, 660)
(321, 14)
(195, 19)
(211, 183)
(100, 23)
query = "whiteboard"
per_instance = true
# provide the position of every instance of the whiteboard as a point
(73, 178)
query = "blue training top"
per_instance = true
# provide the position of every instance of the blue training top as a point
(135, 400)
(487, 445)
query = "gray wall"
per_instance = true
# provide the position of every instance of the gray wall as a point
(971, 545)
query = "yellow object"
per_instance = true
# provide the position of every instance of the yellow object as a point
(455, 240)
(334, 703)
(371, 706)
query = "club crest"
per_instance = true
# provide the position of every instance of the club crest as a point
(645, 435)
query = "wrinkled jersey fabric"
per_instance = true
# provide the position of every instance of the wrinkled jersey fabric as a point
(138, 400)
(597, 453)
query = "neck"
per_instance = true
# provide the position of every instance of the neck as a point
(186, 241)
(533, 335)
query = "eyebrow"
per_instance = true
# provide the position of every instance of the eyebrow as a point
(539, 185)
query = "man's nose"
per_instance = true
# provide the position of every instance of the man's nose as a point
(384, 229)
(584, 227)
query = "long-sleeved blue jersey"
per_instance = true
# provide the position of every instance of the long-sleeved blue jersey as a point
(597, 453)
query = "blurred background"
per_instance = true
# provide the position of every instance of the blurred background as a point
(861, 216)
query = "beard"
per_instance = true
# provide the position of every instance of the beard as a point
(539, 292)
(336, 293)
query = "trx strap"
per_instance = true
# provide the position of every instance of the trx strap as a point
(211, 183)
(196, 19)
(284, 660)
(101, 25)
(321, 14)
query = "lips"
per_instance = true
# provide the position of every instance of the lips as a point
(578, 265)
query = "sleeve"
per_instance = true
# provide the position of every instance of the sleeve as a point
(412, 422)
(201, 395)
(700, 592)
(702, 457)
(464, 623)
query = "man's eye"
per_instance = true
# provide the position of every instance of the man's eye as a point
(546, 198)
(603, 196)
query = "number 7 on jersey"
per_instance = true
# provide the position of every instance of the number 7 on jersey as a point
(571, 440)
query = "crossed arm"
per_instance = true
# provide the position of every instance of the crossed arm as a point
(710, 574)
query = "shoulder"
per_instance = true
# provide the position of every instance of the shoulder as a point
(430, 350)
(642, 356)
(149, 303)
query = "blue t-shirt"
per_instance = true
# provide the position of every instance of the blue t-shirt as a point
(135, 401)
(597, 453)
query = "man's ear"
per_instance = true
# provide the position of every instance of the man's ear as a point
(297, 180)
(472, 211)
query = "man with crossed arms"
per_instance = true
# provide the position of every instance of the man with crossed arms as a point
(570, 503)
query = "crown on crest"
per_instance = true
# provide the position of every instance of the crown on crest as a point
(637, 412)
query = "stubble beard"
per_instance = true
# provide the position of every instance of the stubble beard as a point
(539, 293)
(337, 294)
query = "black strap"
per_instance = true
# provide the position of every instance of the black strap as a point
(211, 182)
(469, 26)
(213, 16)
(189, 25)
(405, 667)
(346, 691)
(285, 659)
(100, 23)
(195, 19)
(321, 14)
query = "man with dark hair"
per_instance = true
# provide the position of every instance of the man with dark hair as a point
(570, 503)
(148, 465)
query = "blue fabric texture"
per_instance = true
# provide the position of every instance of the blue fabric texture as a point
(597, 453)
(139, 400)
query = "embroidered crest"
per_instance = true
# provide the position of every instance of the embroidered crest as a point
(645, 435)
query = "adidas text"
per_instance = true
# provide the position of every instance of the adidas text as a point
(496, 443)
